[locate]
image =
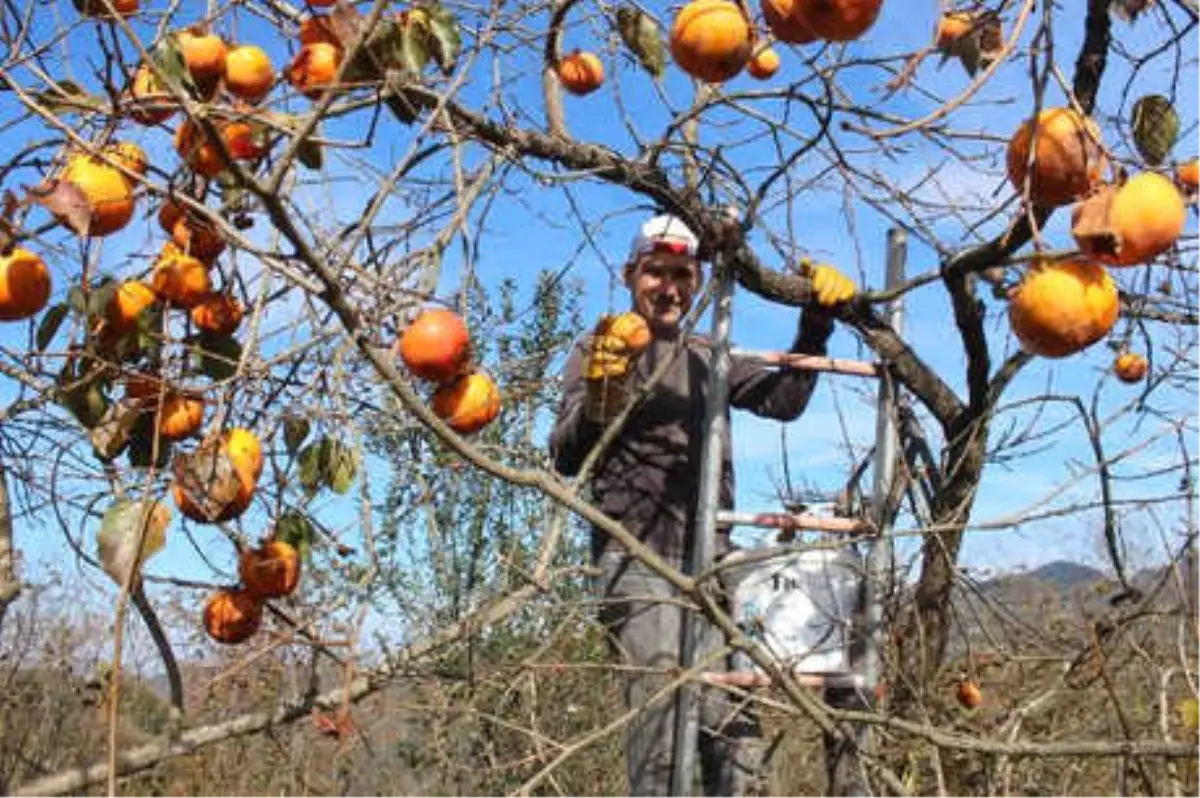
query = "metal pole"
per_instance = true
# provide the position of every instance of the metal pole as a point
(879, 548)
(695, 628)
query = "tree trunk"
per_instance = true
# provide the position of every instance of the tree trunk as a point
(926, 632)
(10, 586)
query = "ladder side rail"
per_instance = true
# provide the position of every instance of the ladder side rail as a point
(696, 629)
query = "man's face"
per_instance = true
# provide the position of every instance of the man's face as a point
(663, 286)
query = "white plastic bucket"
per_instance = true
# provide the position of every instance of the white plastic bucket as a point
(797, 603)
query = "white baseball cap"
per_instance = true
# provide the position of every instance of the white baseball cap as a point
(664, 233)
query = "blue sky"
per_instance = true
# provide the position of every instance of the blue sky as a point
(531, 228)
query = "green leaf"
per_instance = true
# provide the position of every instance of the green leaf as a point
(641, 35)
(295, 529)
(125, 525)
(1155, 128)
(76, 300)
(217, 356)
(1188, 710)
(167, 56)
(86, 402)
(309, 154)
(312, 465)
(65, 97)
(48, 326)
(295, 430)
(148, 336)
(444, 41)
(341, 468)
(111, 436)
(404, 111)
(413, 51)
(141, 444)
(101, 298)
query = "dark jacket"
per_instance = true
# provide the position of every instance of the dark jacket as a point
(649, 476)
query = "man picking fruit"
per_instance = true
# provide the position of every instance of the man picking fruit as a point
(648, 479)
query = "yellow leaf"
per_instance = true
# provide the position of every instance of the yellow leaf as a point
(124, 525)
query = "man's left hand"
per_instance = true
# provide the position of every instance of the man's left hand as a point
(829, 286)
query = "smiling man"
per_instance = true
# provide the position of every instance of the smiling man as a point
(648, 480)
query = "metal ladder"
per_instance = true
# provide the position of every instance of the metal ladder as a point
(698, 633)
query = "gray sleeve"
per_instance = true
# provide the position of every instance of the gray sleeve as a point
(781, 394)
(573, 435)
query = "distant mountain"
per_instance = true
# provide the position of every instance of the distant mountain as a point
(1066, 574)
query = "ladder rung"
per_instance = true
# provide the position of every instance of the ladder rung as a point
(809, 362)
(756, 679)
(794, 521)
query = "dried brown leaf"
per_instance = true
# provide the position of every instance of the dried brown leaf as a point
(208, 477)
(65, 200)
(1091, 222)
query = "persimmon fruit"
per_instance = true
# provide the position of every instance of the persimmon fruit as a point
(270, 571)
(232, 616)
(436, 346)
(469, 403)
(1063, 306)
(580, 72)
(1068, 161)
(710, 40)
(24, 285)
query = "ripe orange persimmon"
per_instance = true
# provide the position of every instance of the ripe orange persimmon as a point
(197, 150)
(951, 27)
(314, 68)
(197, 237)
(145, 90)
(1130, 367)
(180, 279)
(241, 141)
(204, 54)
(1133, 223)
(24, 285)
(1068, 160)
(631, 328)
(109, 195)
(249, 73)
(436, 346)
(97, 8)
(763, 64)
(232, 616)
(129, 155)
(969, 694)
(244, 454)
(181, 416)
(580, 72)
(271, 571)
(169, 213)
(838, 20)
(710, 40)
(469, 403)
(1188, 175)
(1062, 307)
(219, 314)
(318, 28)
(784, 24)
(131, 298)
